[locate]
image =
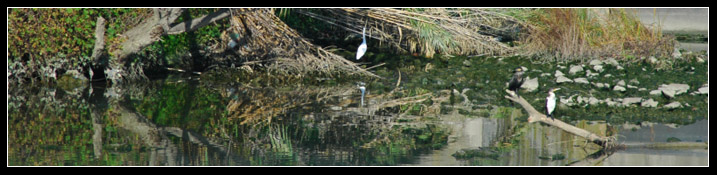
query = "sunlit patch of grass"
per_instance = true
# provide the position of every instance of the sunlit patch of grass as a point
(579, 34)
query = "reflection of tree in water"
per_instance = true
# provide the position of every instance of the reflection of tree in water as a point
(246, 126)
(327, 126)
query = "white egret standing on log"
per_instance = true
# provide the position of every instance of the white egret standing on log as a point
(550, 102)
(362, 48)
(362, 87)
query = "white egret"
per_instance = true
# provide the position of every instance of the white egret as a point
(550, 102)
(362, 48)
(362, 87)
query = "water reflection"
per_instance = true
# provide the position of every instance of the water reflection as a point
(178, 121)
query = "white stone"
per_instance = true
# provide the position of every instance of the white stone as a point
(621, 83)
(673, 105)
(671, 90)
(558, 73)
(581, 80)
(612, 62)
(530, 85)
(593, 101)
(619, 88)
(562, 79)
(649, 103)
(575, 69)
(600, 85)
(676, 53)
(656, 92)
(631, 100)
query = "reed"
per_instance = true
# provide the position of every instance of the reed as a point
(579, 34)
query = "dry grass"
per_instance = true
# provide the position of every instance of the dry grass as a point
(426, 31)
(570, 34)
(263, 40)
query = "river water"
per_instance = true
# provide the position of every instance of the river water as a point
(435, 117)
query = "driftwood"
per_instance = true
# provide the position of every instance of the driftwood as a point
(535, 116)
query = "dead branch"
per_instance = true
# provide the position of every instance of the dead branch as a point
(535, 116)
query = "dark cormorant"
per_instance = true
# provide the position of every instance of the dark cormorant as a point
(516, 81)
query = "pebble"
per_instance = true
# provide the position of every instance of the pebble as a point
(673, 105)
(562, 79)
(575, 69)
(631, 100)
(581, 80)
(649, 103)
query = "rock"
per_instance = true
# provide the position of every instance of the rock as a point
(641, 89)
(634, 81)
(335, 108)
(631, 86)
(545, 74)
(631, 100)
(656, 92)
(589, 74)
(611, 61)
(581, 80)
(608, 75)
(673, 89)
(702, 90)
(649, 103)
(700, 60)
(676, 53)
(595, 62)
(558, 73)
(652, 60)
(567, 101)
(575, 69)
(620, 67)
(467, 63)
(619, 88)
(562, 79)
(530, 85)
(600, 85)
(621, 83)
(581, 100)
(593, 101)
(611, 103)
(673, 105)
(598, 68)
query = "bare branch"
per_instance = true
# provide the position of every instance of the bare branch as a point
(196, 23)
(535, 116)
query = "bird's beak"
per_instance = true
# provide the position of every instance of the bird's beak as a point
(556, 89)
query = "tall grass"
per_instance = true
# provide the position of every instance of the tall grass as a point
(576, 34)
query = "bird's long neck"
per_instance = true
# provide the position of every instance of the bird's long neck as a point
(364, 34)
(551, 95)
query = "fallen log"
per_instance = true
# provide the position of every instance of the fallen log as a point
(535, 116)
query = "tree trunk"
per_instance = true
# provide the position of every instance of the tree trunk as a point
(535, 116)
(150, 31)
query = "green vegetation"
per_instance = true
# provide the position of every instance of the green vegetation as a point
(581, 34)
(43, 41)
